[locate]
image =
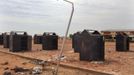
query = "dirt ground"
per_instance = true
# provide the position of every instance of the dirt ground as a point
(10, 62)
(117, 63)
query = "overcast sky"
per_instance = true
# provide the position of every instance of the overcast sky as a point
(38, 16)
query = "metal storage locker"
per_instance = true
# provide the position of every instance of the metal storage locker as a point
(92, 48)
(122, 42)
(1, 39)
(50, 41)
(76, 42)
(6, 40)
(38, 39)
(20, 42)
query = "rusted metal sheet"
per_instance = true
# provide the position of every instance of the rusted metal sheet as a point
(92, 46)
(122, 42)
(50, 41)
(38, 39)
(6, 41)
(20, 42)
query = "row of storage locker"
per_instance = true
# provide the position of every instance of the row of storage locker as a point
(21, 41)
(90, 44)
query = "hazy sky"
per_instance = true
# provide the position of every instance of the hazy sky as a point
(38, 16)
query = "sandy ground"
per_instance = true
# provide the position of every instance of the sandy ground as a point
(9, 62)
(117, 63)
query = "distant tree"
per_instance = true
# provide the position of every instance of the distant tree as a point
(70, 36)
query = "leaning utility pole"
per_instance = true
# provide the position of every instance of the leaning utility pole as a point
(64, 40)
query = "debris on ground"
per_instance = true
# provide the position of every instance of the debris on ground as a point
(20, 73)
(20, 69)
(6, 68)
(24, 63)
(61, 58)
(38, 62)
(5, 63)
(37, 70)
(97, 62)
(7, 73)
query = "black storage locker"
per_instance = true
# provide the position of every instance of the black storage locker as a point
(76, 42)
(50, 41)
(122, 42)
(1, 39)
(38, 39)
(6, 40)
(20, 42)
(92, 46)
